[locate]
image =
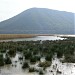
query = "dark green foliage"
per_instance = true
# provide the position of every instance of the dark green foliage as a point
(12, 52)
(21, 58)
(2, 50)
(28, 55)
(41, 72)
(38, 58)
(33, 50)
(59, 54)
(35, 58)
(1, 60)
(48, 57)
(31, 69)
(69, 58)
(44, 64)
(8, 60)
(25, 65)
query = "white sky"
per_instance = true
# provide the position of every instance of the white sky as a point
(10, 8)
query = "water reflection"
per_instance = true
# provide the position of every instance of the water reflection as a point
(64, 68)
(36, 38)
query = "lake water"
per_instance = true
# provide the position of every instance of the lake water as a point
(65, 68)
(36, 38)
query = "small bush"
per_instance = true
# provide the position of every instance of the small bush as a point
(25, 65)
(7, 60)
(1, 60)
(33, 59)
(12, 52)
(49, 57)
(44, 64)
(41, 73)
(27, 55)
(31, 69)
(69, 59)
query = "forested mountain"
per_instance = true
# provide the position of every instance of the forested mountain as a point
(39, 21)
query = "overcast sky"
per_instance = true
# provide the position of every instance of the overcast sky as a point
(10, 8)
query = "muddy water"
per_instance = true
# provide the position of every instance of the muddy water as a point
(15, 68)
(64, 68)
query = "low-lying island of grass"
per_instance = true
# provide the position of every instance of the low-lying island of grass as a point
(14, 36)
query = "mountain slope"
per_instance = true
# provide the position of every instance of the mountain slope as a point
(40, 21)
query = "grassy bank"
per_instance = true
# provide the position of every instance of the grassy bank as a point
(13, 36)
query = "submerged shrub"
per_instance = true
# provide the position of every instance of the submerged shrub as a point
(41, 72)
(48, 57)
(7, 60)
(12, 52)
(33, 59)
(69, 59)
(1, 60)
(59, 54)
(25, 65)
(32, 69)
(2, 50)
(28, 55)
(44, 64)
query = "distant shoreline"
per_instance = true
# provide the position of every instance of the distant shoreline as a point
(15, 36)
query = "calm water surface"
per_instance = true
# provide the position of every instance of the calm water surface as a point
(36, 38)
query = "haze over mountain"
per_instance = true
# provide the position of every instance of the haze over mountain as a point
(39, 21)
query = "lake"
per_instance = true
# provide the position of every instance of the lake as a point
(35, 38)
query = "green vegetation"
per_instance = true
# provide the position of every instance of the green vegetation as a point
(32, 69)
(69, 59)
(12, 52)
(44, 64)
(7, 60)
(33, 51)
(41, 72)
(25, 65)
(1, 60)
(34, 59)
(49, 57)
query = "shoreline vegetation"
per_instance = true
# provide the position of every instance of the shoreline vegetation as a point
(33, 51)
(16, 36)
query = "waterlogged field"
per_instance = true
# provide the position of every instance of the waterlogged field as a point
(54, 56)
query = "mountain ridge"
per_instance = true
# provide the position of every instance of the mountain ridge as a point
(39, 21)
